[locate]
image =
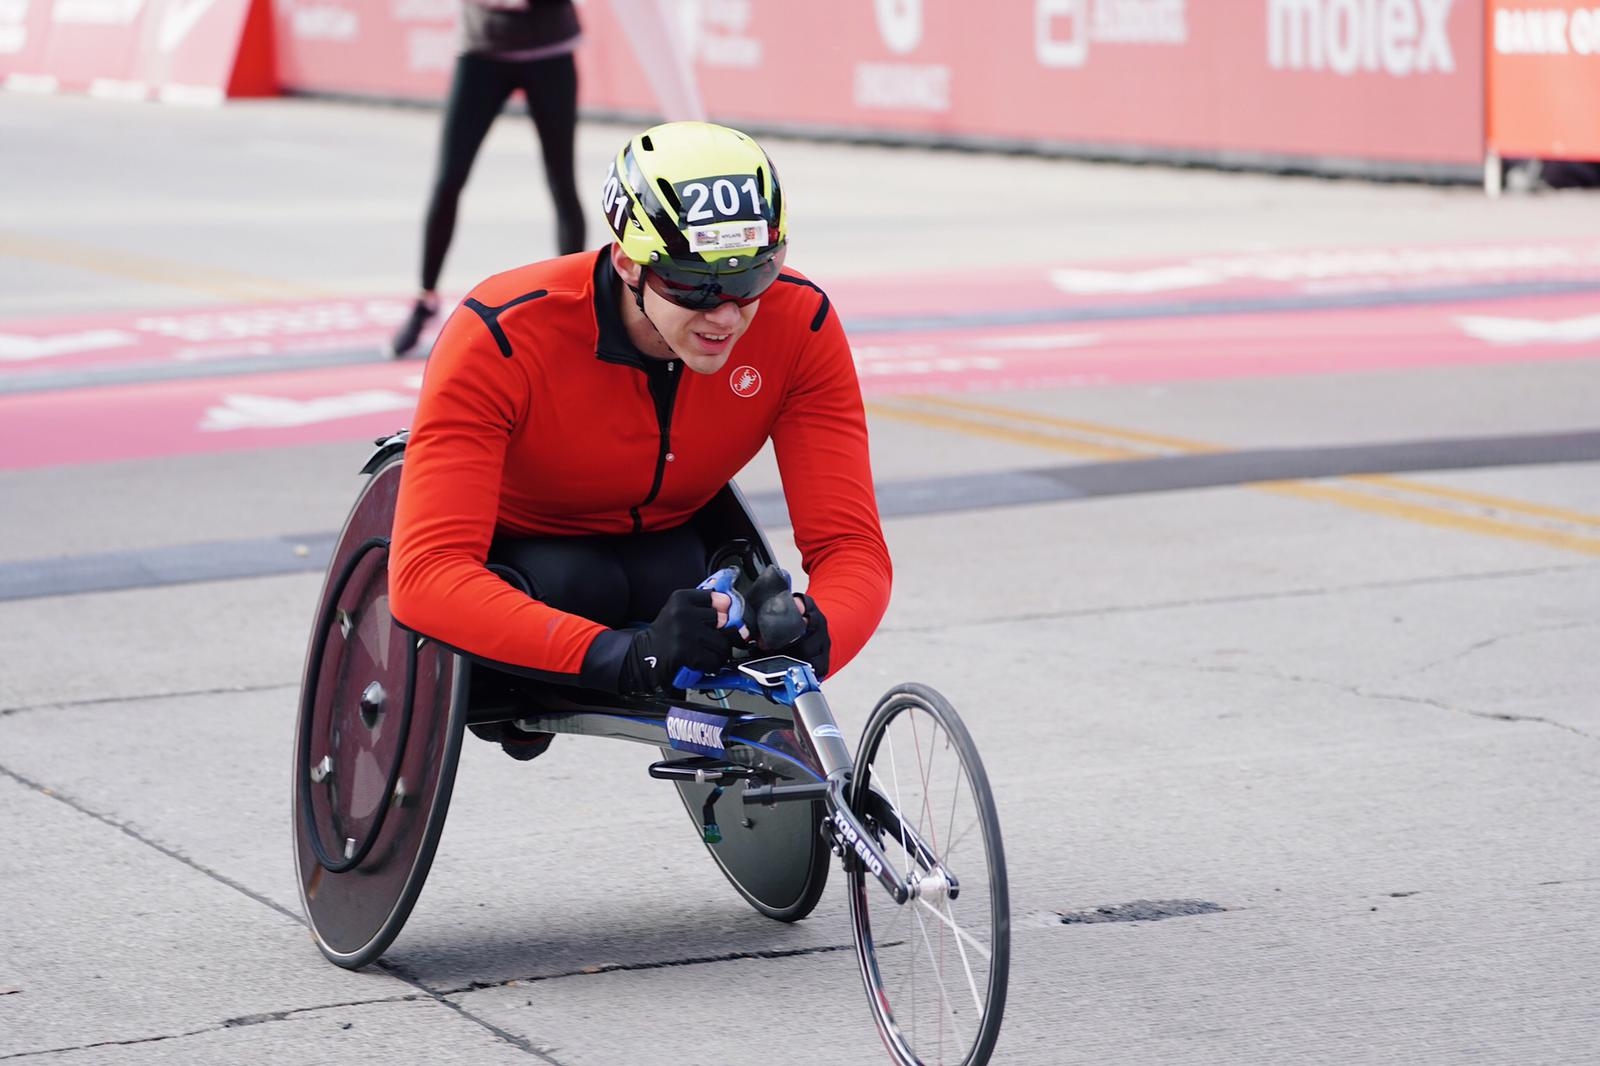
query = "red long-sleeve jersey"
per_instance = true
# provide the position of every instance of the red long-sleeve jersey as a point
(537, 418)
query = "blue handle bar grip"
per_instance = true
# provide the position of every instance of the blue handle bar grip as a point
(721, 581)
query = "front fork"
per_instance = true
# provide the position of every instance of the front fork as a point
(855, 842)
(792, 683)
(849, 838)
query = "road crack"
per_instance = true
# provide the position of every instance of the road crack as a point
(104, 701)
(629, 967)
(256, 897)
(229, 1023)
(1112, 610)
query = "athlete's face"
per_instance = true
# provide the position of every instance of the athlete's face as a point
(702, 339)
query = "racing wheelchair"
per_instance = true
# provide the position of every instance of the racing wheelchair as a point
(757, 759)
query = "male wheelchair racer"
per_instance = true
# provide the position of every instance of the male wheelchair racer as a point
(757, 759)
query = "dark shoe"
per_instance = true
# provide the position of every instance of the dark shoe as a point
(410, 331)
(517, 743)
(522, 745)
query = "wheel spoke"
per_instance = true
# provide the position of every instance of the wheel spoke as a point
(955, 803)
(944, 999)
(961, 934)
(894, 774)
(950, 846)
(927, 819)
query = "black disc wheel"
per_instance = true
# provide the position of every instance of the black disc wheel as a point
(776, 856)
(381, 718)
(936, 966)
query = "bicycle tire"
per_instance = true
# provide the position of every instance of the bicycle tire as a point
(970, 933)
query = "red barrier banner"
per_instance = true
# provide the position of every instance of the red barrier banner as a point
(24, 30)
(1544, 78)
(200, 51)
(93, 43)
(395, 49)
(1366, 79)
(192, 51)
(1380, 80)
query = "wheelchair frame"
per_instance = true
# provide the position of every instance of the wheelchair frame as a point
(383, 711)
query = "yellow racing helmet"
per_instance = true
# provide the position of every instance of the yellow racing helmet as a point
(699, 207)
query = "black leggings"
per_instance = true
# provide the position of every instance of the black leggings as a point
(615, 581)
(478, 93)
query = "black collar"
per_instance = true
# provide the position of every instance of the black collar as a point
(614, 344)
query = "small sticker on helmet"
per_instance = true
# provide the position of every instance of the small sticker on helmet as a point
(721, 236)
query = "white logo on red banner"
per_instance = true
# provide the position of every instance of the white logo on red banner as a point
(745, 381)
(717, 34)
(1396, 37)
(322, 22)
(96, 12)
(900, 24)
(1547, 31)
(1062, 29)
(901, 86)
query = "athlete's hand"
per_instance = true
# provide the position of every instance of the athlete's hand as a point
(687, 632)
(815, 644)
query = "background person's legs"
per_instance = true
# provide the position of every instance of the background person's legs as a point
(478, 92)
(551, 88)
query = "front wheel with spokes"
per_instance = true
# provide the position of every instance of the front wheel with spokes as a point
(936, 966)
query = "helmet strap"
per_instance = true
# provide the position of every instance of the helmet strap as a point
(638, 301)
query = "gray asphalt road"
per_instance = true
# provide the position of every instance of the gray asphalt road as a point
(1354, 717)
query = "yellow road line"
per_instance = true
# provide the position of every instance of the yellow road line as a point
(1483, 499)
(1432, 516)
(1092, 428)
(1016, 436)
(1370, 493)
(213, 281)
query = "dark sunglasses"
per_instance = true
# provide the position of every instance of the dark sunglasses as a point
(704, 287)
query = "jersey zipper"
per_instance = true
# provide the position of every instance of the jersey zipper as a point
(664, 391)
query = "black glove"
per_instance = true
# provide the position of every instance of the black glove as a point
(770, 611)
(815, 644)
(685, 633)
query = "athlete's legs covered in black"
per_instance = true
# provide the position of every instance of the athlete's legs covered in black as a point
(616, 580)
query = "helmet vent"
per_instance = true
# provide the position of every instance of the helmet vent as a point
(761, 180)
(644, 142)
(669, 196)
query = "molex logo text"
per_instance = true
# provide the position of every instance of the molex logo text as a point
(1395, 37)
